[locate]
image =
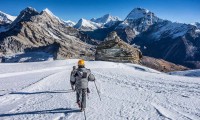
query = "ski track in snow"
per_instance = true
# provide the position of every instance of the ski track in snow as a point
(128, 92)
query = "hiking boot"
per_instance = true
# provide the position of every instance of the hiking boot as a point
(82, 109)
(79, 104)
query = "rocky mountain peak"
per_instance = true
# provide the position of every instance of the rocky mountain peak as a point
(141, 13)
(29, 10)
(34, 30)
(137, 13)
(25, 15)
(48, 12)
(115, 49)
(137, 21)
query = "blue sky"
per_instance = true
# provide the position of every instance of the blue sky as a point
(186, 11)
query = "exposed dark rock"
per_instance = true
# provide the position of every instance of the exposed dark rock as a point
(115, 49)
(161, 65)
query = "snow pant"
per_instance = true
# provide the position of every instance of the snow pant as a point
(81, 97)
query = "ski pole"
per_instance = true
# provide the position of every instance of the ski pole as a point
(97, 90)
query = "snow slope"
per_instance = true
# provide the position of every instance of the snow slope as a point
(87, 25)
(128, 92)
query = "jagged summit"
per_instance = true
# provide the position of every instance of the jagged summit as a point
(105, 19)
(96, 23)
(86, 25)
(139, 19)
(47, 11)
(137, 13)
(26, 14)
(29, 10)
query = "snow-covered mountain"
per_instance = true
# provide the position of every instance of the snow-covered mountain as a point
(141, 20)
(5, 21)
(179, 42)
(138, 20)
(42, 90)
(87, 25)
(105, 21)
(69, 23)
(5, 18)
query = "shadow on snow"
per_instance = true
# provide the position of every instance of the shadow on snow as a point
(43, 92)
(53, 111)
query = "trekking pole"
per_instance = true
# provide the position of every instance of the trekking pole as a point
(85, 115)
(97, 90)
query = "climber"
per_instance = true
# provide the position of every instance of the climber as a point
(80, 77)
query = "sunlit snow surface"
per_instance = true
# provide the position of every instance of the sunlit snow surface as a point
(41, 90)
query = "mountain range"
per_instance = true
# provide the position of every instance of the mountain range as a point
(34, 31)
(175, 42)
(155, 37)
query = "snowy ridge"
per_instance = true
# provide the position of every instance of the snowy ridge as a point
(128, 91)
(106, 19)
(87, 25)
(6, 18)
(93, 24)
(172, 29)
(49, 12)
(52, 15)
(69, 23)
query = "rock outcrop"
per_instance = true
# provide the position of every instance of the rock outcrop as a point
(116, 50)
(161, 65)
